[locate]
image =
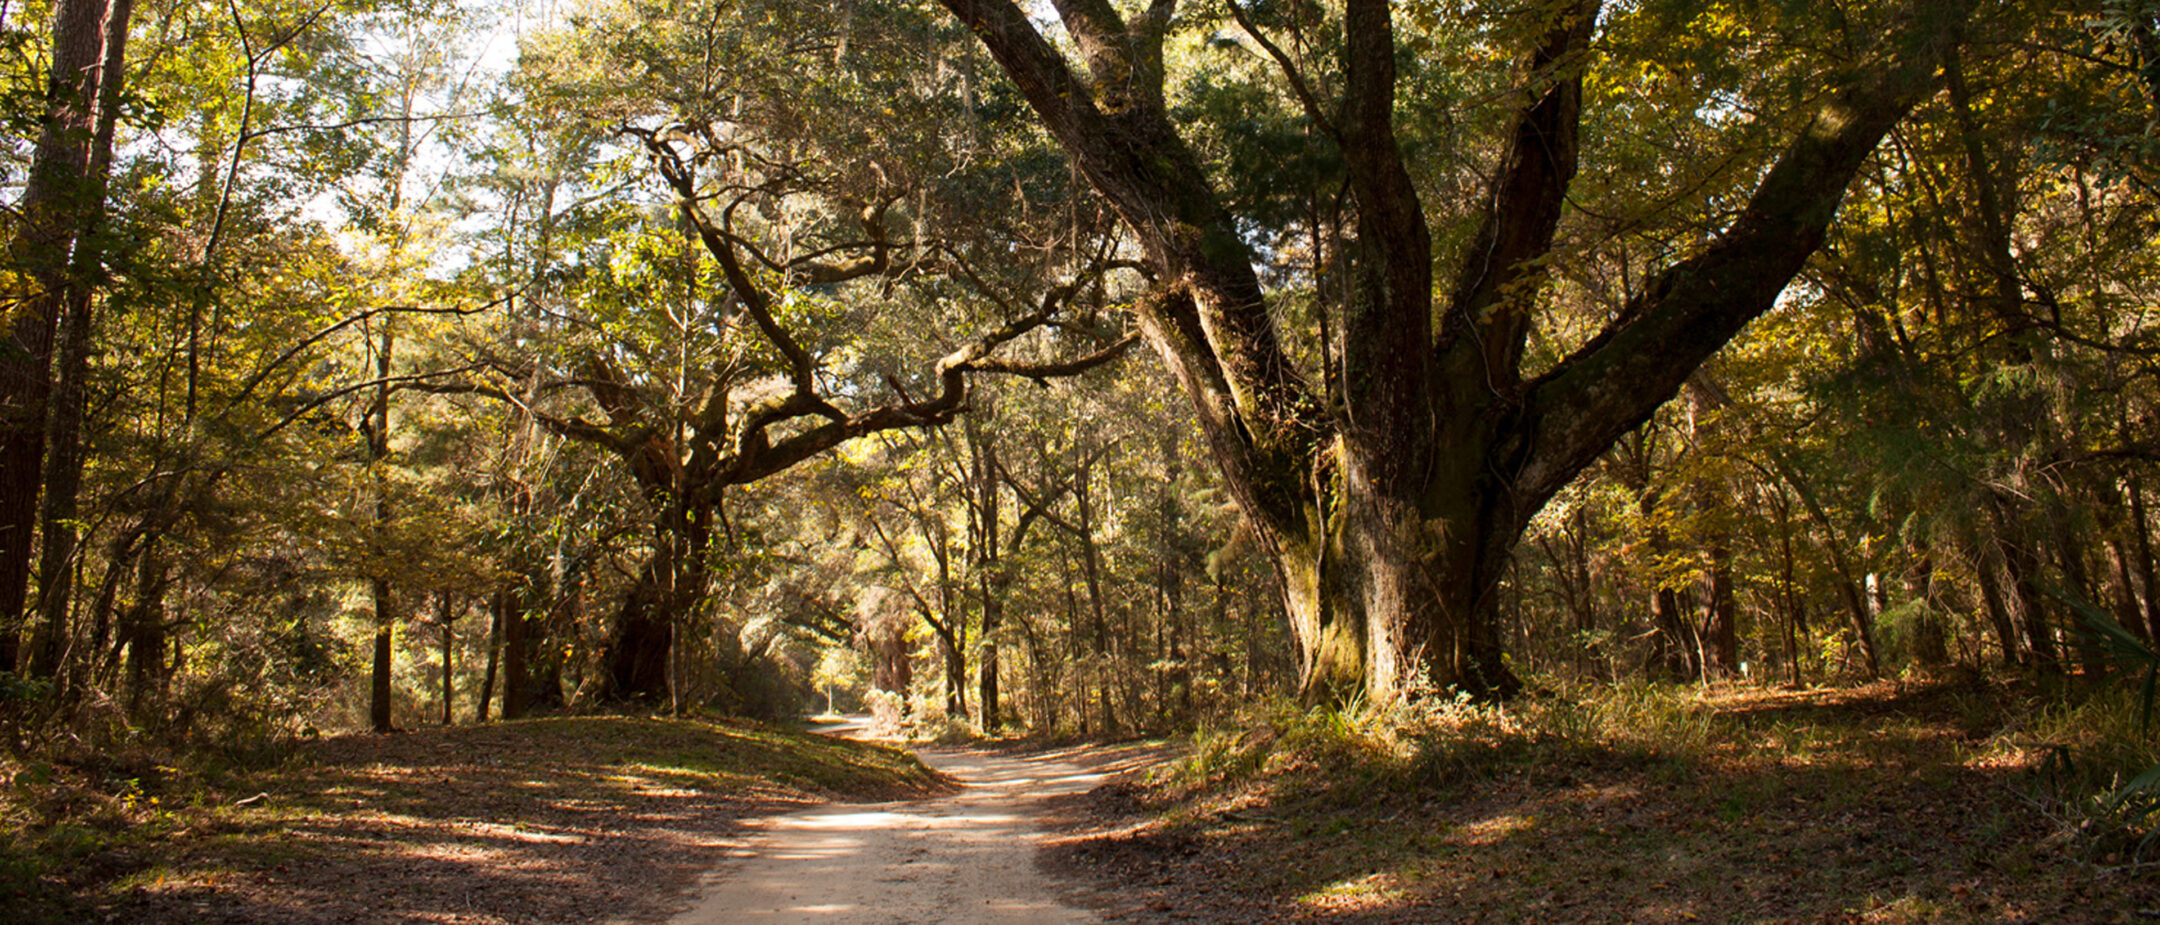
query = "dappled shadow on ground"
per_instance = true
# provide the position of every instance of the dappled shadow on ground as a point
(1109, 760)
(571, 820)
(1880, 814)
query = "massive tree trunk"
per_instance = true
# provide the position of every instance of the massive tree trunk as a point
(641, 638)
(670, 585)
(1390, 506)
(636, 659)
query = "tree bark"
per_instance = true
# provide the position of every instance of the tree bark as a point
(62, 475)
(2148, 572)
(142, 630)
(891, 670)
(989, 566)
(636, 657)
(951, 630)
(1720, 619)
(1091, 575)
(378, 437)
(670, 585)
(1788, 591)
(1998, 611)
(58, 215)
(494, 658)
(2022, 567)
(379, 690)
(448, 619)
(517, 654)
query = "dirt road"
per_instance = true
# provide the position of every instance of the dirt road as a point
(964, 858)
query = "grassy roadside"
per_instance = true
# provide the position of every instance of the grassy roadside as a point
(551, 820)
(1888, 803)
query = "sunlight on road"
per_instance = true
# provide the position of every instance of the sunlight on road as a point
(965, 858)
(839, 821)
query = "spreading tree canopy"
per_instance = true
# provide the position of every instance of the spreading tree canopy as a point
(1390, 474)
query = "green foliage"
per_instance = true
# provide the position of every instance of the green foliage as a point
(1321, 757)
(2135, 802)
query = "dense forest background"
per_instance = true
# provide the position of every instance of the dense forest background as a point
(367, 369)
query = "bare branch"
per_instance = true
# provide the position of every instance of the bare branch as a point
(408, 381)
(1298, 87)
(248, 388)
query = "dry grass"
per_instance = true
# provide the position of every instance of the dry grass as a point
(1888, 803)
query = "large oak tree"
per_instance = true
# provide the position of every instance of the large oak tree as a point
(1390, 493)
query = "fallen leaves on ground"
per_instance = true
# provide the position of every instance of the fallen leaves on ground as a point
(544, 821)
(1870, 805)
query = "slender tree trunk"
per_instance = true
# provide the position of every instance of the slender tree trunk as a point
(547, 666)
(64, 422)
(494, 657)
(379, 688)
(951, 632)
(1076, 641)
(1930, 645)
(1998, 611)
(2124, 598)
(1091, 574)
(517, 655)
(2020, 566)
(447, 615)
(61, 207)
(1033, 703)
(2148, 567)
(1671, 653)
(143, 630)
(63, 483)
(1788, 592)
(96, 664)
(2022, 569)
(990, 567)
(1848, 582)
(378, 436)
(1721, 638)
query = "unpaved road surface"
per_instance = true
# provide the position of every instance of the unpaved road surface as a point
(964, 858)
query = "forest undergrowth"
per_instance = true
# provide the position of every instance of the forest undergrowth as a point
(552, 820)
(1897, 801)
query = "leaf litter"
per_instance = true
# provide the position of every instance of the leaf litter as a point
(545, 821)
(1881, 804)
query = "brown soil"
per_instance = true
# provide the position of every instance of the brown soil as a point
(554, 821)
